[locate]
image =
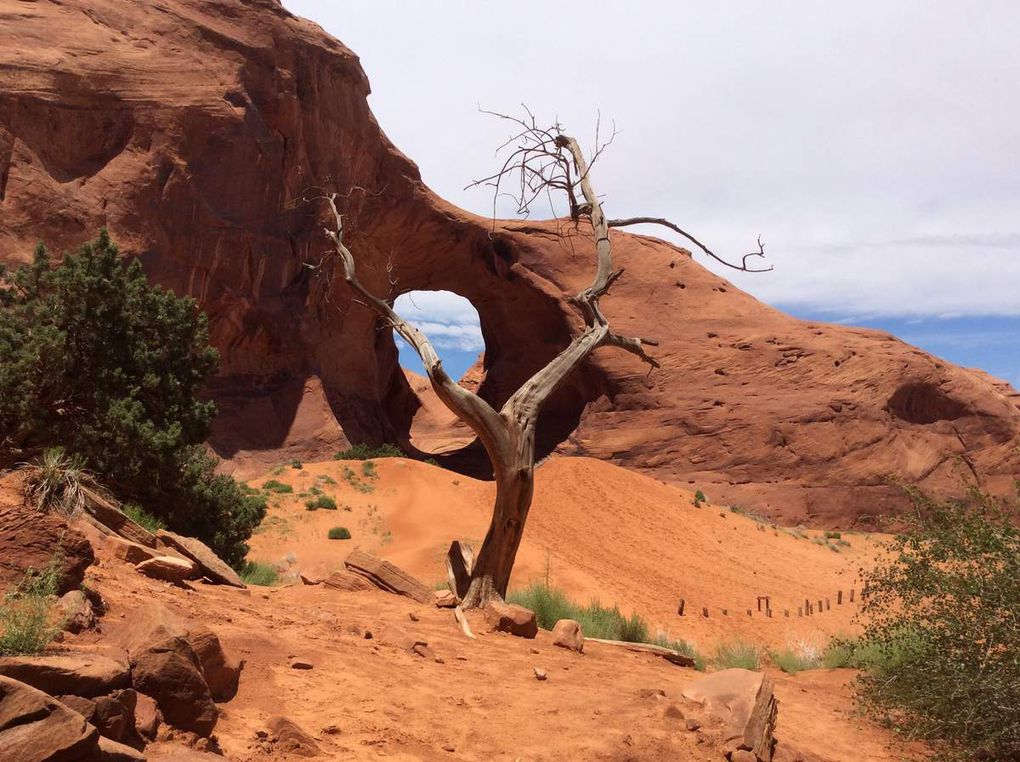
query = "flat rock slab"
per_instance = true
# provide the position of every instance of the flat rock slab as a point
(211, 565)
(31, 540)
(743, 700)
(77, 674)
(169, 568)
(387, 576)
(34, 726)
(509, 617)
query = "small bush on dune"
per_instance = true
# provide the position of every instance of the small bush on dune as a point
(60, 483)
(339, 533)
(259, 573)
(277, 486)
(27, 624)
(321, 502)
(796, 658)
(366, 452)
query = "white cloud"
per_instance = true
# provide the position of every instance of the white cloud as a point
(450, 321)
(874, 145)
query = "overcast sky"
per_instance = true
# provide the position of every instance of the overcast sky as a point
(874, 145)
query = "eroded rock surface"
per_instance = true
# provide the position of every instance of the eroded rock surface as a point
(196, 136)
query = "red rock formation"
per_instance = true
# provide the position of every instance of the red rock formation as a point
(198, 130)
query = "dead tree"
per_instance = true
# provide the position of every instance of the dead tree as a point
(542, 161)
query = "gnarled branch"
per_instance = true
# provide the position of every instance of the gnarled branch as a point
(677, 229)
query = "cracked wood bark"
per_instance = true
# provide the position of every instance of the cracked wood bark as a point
(509, 435)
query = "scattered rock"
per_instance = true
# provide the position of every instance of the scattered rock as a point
(509, 617)
(387, 576)
(740, 755)
(567, 634)
(743, 700)
(212, 566)
(445, 599)
(655, 693)
(540, 674)
(79, 674)
(301, 664)
(169, 568)
(147, 717)
(31, 540)
(391, 635)
(692, 724)
(76, 611)
(413, 617)
(310, 578)
(83, 706)
(34, 726)
(169, 672)
(290, 738)
(422, 650)
(221, 675)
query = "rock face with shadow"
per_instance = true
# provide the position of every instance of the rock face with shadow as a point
(202, 132)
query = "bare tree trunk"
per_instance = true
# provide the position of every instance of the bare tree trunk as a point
(515, 486)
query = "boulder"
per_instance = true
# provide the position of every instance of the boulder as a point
(78, 674)
(114, 716)
(391, 635)
(147, 717)
(511, 618)
(212, 566)
(169, 672)
(387, 576)
(131, 552)
(30, 539)
(445, 599)
(83, 706)
(348, 581)
(34, 726)
(169, 569)
(76, 611)
(289, 738)
(743, 700)
(114, 751)
(221, 674)
(567, 634)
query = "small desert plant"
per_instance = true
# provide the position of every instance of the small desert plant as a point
(339, 533)
(364, 452)
(323, 502)
(297, 464)
(832, 535)
(325, 479)
(27, 624)
(369, 470)
(682, 646)
(352, 479)
(277, 486)
(142, 517)
(736, 653)
(699, 498)
(259, 573)
(59, 482)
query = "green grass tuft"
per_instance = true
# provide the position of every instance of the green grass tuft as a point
(259, 573)
(736, 654)
(142, 517)
(27, 624)
(339, 533)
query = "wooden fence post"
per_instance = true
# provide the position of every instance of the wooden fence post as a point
(680, 608)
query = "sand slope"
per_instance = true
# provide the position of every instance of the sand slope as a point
(596, 530)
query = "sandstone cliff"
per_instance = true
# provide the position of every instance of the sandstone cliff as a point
(198, 130)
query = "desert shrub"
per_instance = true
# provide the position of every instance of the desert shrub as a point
(297, 464)
(339, 533)
(661, 639)
(27, 624)
(699, 498)
(369, 470)
(943, 628)
(325, 479)
(797, 657)
(833, 535)
(272, 485)
(321, 502)
(736, 654)
(96, 360)
(143, 518)
(366, 452)
(355, 481)
(259, 573)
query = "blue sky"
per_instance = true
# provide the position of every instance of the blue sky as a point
(875, 146)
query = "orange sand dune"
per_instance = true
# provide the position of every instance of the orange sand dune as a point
(595, 530)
